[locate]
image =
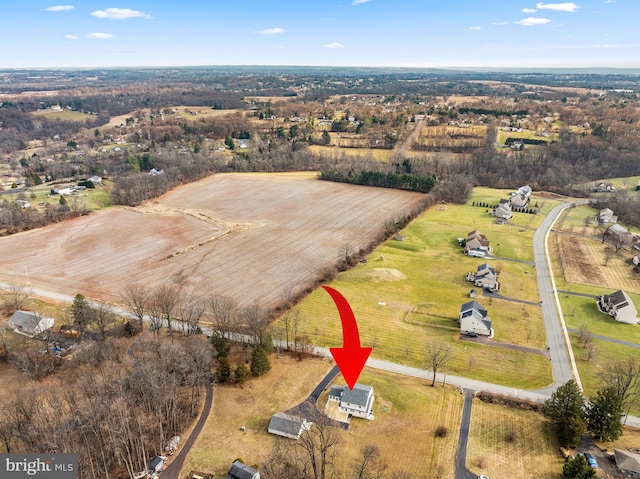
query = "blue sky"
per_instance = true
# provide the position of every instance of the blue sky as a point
(415, 33)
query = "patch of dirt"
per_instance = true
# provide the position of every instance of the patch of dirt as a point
(550, 195)
(576, 269)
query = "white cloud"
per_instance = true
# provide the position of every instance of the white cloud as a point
(71, 37)
(334, 45)
(500, 23)
(475, 27)
(102, 36)
(271, 31)
(532, 21)
(559, 7)
(119, 14)
(59, 8)
(360, 2)
(529, 10)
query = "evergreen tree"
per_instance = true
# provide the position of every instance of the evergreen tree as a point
(326, 138)
(224, 370)
(220, 345)
(259, 362)
(240, 374)
(604, 415)
(578, 468)
(566, 410)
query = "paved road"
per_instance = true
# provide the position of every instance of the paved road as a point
(461, 454)
(584, 295)
(490, 294)
(611, 340)
(557, 339)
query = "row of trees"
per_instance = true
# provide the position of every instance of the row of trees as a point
(602, 415)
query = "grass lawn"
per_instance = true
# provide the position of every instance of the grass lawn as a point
(68, 115)
(505, 442)
(527, 134)
(376, 153)
(413, 294)
(401, 404)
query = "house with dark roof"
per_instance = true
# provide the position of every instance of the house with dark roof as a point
(485, 277)
(474, 319)
(620, 306)
(287, 425)
(239, 470)
(29, 322)
(357, 402)
(155, 465)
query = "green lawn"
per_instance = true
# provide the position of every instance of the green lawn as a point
(410, 292)
(64, 115)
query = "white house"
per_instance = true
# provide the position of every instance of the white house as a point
(474, 319)
(357, 402)
(30, 323)
(606, 216)
(503, 210)
(485, 277)
(287, 425)
(620, 306)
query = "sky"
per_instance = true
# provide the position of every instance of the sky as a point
(378, 33)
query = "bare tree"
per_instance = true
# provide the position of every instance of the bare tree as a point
(290, 318)
(584, 335)
(224, 311)
(15, 297)
(282, 462)
(318, 445)
(625, 377)
(347, 253)
(4, 332)
(137, 299)
(165, 299)
(438, 355)
(256, 320)
(191, 310)
(370, 465)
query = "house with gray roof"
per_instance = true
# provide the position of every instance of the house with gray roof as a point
(503, 210)
(485, 277)
(627, 461)
(29, 322)
(287, 425)
(357, 402)
(239, 470)
(620, 306)
(521, 197)
(474, 319)
(606, 216)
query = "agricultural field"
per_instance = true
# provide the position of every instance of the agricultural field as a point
(232, 234)
(400, 404)
(68, 115)
(450, 138)
(506, 442)
(410, 291)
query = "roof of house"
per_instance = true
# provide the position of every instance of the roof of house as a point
(485, 268)
(619, 299)
(28, 320)
(359, 395)
(238, 470)
(155, 462)
(336, 391)
(287, 424)
(617, 229)
(628, 461)
(473, 306)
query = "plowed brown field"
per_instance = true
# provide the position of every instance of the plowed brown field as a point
(248, 236)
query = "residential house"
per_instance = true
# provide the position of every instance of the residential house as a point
(30, 323)
(287, 425)
(620, 306)
(503, 210)
(156, 172)
(474, 319)
(238, 470)
(485, 277)
(619, 234)
(357, 402)
(476, 241)
(603, 188)
(96, 180)
(521, 197)
(606, 216)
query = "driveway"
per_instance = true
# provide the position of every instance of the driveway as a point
(461, 454)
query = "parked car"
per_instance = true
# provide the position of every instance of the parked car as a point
(483, 477)
(471, 334)
(591, 460)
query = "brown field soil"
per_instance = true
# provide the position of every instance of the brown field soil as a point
(248, 236)
(407, 413)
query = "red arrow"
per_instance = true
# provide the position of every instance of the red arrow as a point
(351, 357)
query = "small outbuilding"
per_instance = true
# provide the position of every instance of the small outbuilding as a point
(239, 470)
(288, 425)
(627, 461)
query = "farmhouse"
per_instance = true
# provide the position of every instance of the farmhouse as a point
(286, 425)
(238, 470)
(357, 402)
(485, 277)
(606, 216)
(503, 210)
(620, 306)
(474, 319)
(30, 323)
